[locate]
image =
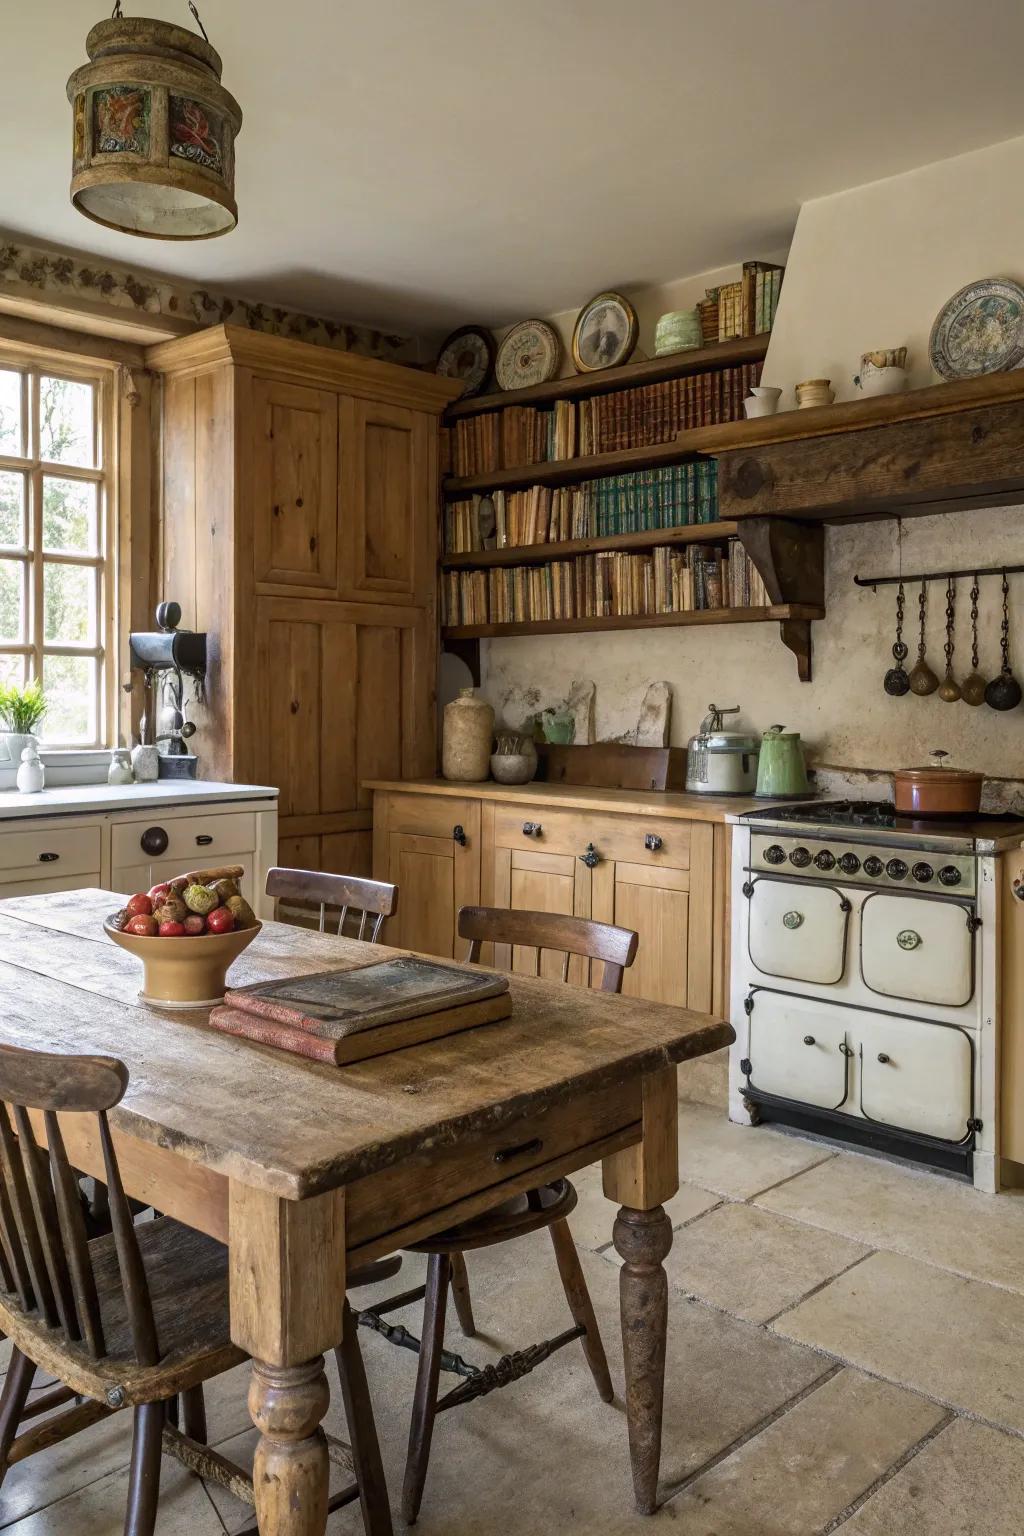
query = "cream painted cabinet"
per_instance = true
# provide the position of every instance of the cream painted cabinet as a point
(662, 876)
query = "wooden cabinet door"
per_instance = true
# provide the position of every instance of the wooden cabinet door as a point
(294, 439)
(347, 695)
(430, 848)
(387, 504)
(540, 882)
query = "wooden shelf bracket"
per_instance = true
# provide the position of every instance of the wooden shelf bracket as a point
(790, 559)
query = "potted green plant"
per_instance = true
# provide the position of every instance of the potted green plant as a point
(21, 710)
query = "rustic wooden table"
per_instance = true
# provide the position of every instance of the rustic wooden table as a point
(301, 1168)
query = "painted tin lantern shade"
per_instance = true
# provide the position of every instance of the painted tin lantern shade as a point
(153, 132)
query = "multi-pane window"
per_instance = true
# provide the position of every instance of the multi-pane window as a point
(54, 545)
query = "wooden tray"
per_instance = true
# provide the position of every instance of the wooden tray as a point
(612, 765)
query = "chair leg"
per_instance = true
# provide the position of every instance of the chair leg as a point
(144, 1473)
(20, 1372)
(424, 1402)
(581, 1306)
(193, 1414)
(461, 1296)
(362, 1432)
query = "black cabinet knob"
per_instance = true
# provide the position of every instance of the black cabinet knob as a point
(154, 840)
(48, 858)
(591, 858)
(884, 1058)
(204, 839)
(809, 1040)
(532, 829)
(459, 834)
(652, 842)
(746, 1066)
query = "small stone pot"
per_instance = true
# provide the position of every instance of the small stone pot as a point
(466, 738)
(513, 767)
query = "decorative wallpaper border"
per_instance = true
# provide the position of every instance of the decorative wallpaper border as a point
(26, 269)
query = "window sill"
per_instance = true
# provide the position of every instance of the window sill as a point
(64, 766)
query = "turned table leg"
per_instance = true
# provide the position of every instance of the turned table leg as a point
(291, 1470)
(639, 1179)
(642, 1240)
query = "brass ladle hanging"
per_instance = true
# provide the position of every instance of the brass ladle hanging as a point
(896, 681)
(1003, 692)
(972, 689)
(922, 679)
(949, 688)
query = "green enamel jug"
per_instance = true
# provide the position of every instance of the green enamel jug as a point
(781, 771)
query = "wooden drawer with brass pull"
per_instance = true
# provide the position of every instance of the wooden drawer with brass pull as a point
(651, 840)
(494, 1161)
(49, 852)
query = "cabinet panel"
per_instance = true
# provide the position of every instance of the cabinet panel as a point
(661, 917)
(50, 851)
(435, 877)
(614, 837)
(387, 496)
(295, 461)
(540, 882)
(33, 887)
(193, 842)
(129, 878)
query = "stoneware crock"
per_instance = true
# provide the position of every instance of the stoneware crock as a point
(186, 972)
(936, 790)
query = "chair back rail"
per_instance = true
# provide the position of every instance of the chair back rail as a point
(46, 1259)
(372, 900)
(540, 931)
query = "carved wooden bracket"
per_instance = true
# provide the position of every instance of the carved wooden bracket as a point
(790, 559)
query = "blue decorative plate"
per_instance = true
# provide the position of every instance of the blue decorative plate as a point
(980, 330)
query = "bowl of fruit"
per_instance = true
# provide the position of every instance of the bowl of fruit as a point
(186, 931)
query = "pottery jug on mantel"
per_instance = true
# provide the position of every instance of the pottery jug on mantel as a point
(466, 738)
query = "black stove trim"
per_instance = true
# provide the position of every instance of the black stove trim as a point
(832, 1124)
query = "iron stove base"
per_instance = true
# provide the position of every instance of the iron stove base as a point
(955, 1158)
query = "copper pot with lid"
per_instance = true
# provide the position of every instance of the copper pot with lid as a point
(937, 790)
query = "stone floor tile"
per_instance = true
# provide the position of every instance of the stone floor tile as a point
(591, 1222)
(956, 1340)
(921, 1214)
(739, 1160)
(968, 1481)
(97, 1509)
(546, 1454)
(66, 1468)
(800, 1472)
(754, 1264)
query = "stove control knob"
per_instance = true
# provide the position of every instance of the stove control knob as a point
(775, 854)
(923, 873)
(950, 875)
(896, 869)
(849, 863)
(873, 866)
(800, 857)
(825, 860)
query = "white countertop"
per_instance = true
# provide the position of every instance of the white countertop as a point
(77, 799)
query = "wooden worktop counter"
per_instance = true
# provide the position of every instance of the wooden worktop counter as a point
(682, 807)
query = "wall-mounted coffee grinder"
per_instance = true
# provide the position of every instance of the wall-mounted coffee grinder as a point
(169, 659)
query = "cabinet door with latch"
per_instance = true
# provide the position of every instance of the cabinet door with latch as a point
(430, 848)
(798, 930)
(795, 1051)
(915, 1075)
(294, 437)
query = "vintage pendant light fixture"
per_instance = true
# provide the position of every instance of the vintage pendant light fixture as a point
(154, 131)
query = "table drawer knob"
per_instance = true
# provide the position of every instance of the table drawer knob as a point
(154, 840)
(506, 1154)
(48, 858)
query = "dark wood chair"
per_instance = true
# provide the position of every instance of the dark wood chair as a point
(134, 1319)
(351, 894)
(547, 1207)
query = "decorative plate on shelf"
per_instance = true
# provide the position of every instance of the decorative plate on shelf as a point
(980, 330)
(605, 334)
(529, 354)
(467, 354)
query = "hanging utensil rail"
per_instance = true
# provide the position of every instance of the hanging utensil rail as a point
(970, 570)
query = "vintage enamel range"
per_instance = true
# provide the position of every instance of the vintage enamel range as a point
(864, 978)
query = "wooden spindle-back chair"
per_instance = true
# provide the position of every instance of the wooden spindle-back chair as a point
(371, 900)
(546, 1207)
(137, 1318)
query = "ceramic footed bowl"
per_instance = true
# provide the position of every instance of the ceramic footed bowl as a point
(513, 767)
(187, 972)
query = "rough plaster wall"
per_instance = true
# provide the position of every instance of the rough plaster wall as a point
(844, 715)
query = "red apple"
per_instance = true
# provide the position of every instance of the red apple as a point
(172, 930)
(159, 893)
(142, 925)
(194, 924)
(220, 920)
(139, 905)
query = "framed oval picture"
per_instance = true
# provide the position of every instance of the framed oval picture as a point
(980, 330)
(530, 354)
(467, 354)
(605, 334)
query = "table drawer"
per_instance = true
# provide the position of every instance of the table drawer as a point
(49, 852)
(193, 842)
(613, 837)
(496, 1163)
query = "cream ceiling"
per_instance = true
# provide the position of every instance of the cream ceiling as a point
(423, 162)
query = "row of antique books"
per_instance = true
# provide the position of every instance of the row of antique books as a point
(746, 308)
(671, 497)
(624, 418)
(605, 585)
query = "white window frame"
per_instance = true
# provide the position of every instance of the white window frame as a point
(34, 648)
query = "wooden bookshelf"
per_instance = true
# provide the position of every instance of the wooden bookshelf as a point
(541, 554)
(722, 354)
(778, 613)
